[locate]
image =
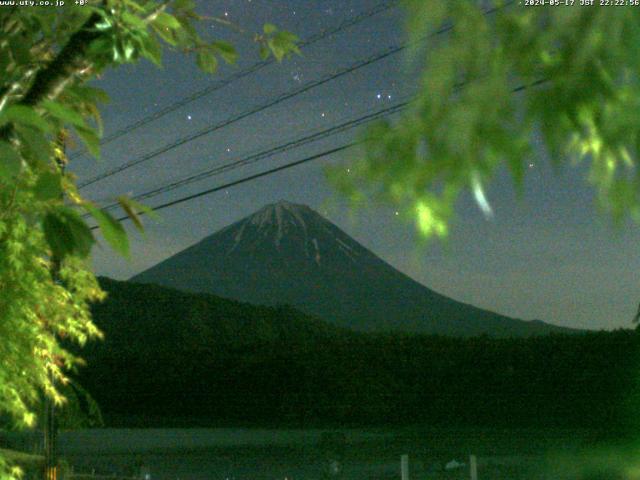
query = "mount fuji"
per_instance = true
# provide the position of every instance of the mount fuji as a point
(287, 253)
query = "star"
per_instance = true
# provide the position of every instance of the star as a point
(188, 117)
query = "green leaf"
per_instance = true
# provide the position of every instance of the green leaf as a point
(188, 5)
(130, 52)
(90, 94)
(36, 146)
(140, 208)
(66, 233)
(166, 20)
(64, 113)
(269, 28)
(90, 139)
(133, 20)
(131, 212)
(165, 34)
(5, 60)
(10, 161)
(25, 116)
(207, 61)
(105, 24)
(225, 50)
(100, 48)
(134, 5)
(133, 209)
(151, 49)
(19, 50)
(188, 34)
(286, 38)
(264, 52)
(48, 186)
(276, 50)
(112, 230)
(282, 44)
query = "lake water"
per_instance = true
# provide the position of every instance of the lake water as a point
(262, 454)
(236, 454)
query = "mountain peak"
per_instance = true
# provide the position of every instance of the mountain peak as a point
(276, 213)
(283, 221)
(287, 253)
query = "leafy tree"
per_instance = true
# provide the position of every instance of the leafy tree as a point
(47, 55)
(272, 366)
(575, 70)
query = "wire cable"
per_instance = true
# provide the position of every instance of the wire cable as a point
(395, 108)
(321, 35)
(281, 98)
(251, 159)
(246, 179)
(286, 166)
(247, 113)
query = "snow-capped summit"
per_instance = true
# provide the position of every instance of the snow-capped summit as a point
(295, 230)
(279, 219)
(281, 214)
(286, 253)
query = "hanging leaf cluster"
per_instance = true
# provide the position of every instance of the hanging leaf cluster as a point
(47, 55)
(493, 76)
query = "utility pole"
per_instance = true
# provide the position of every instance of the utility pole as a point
(49, 438)
(50, 460)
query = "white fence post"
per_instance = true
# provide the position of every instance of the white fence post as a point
(473, 467)
(404, 467)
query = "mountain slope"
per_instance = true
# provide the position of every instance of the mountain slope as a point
(171, 354)
(288, 254)
(171, 358)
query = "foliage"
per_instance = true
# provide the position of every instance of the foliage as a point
(575, 69)
(232, 363)
(24, 465)
(46, 57)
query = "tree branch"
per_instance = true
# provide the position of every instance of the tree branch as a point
(71, 60)
(50, 81)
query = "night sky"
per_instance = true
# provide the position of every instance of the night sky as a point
(550, 255)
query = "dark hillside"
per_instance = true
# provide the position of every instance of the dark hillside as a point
(204, 360)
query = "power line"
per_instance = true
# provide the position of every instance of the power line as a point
(286, 96)
(318, 135)
(288, 165)
(398, 107)
(321, 35)
(312, 137)
(217, 126)
(246, 179)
